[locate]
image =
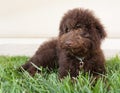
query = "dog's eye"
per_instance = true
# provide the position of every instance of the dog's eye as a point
(67, 29)
(84, 34)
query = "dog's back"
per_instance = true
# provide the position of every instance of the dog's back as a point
(45, 56)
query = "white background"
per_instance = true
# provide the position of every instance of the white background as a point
(40, 18)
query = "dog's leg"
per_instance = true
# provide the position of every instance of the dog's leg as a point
(45, 56)
(67, 66)
(96, 65)
(63, 65)
(67, 69)
(99, 67)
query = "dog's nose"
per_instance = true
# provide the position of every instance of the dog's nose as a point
(69, 43)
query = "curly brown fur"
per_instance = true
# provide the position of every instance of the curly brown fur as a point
(80, 36)
(45, 56)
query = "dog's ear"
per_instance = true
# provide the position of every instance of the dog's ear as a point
(100, 29)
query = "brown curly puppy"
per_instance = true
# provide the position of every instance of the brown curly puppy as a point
(76, 48)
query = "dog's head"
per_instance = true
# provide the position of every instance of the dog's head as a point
(80, 31)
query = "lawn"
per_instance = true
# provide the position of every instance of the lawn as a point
(13, 81)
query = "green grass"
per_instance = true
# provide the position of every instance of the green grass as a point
(13, 81)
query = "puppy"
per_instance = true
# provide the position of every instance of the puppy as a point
(76, 48)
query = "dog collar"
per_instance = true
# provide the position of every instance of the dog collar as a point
(81, 62)
(79, 58)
